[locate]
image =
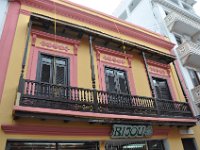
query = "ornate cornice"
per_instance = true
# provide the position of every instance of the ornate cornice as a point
(176, 8)
(115, 25)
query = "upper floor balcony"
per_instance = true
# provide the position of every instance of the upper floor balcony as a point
(182, 25)
(73, 99)
(189, 53)
(196, 95)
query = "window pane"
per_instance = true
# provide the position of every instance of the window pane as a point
(46, 59)
(60, 62)
(60, 75)
(45, 73)
(31, 146)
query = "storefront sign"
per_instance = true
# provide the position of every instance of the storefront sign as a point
(131, 131)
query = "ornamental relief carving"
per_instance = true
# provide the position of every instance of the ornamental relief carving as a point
(54, 45)
(158, 70)
(114, 59)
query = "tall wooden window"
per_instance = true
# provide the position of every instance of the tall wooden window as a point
(53, 70)
(116, 81)
(161, 89)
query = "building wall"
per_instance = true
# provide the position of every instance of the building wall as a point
(3, 12)
(83, 80)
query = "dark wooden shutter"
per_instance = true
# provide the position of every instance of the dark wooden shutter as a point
(161, 89)
(61, 69)
(46, 69)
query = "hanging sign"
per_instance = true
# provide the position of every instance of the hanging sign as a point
(131, 131)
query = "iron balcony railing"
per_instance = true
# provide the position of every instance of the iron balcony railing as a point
(44, 95)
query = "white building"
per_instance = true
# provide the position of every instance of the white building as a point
(176, 20)
(3, 12)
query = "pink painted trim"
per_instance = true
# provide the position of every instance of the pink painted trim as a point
(96, 115)
(99, 21)
(112, 52)
(56, 130)
(157, 64)
(25, 12)
(7, 41)
(33, 62)
(102, 64)
(114, 18)
(169, 82)
(34, 53)
(66, 131)
(183, 83)
(49, 36)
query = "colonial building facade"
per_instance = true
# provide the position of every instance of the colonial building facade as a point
(176, 20)
(80, 79)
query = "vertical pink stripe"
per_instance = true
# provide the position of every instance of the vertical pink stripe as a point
(7, 41)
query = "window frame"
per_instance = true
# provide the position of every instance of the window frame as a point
(168, 87)
(118, 69)
(39, 67)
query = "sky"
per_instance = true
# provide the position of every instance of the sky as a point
(108, 6)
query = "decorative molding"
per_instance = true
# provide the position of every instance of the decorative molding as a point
(100, 22)
(25, 12)
(55, 37)
(157, 64)
(159, 71)
(114, 59)
(54, 45)
(112, 52)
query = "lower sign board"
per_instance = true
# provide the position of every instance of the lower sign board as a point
(131, 131)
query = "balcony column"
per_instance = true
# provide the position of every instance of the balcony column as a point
(21, 81)
(93, 74)
(148, 75)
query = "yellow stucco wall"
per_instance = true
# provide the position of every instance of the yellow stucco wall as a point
(84, 80)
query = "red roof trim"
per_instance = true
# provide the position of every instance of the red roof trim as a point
(98, 21)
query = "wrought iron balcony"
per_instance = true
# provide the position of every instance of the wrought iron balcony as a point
(181, 24)
(189, 53)
(44, 95)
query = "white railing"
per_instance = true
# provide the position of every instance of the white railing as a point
(188, 48)
(196, 94)
(173, 17)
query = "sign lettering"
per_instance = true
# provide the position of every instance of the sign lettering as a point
(130, 131)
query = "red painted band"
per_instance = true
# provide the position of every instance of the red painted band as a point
(7, 41)
(97, 115)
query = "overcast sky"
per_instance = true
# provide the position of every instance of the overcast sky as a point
(108, 6)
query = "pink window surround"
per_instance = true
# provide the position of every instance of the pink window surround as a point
(35, 50)
(6, 41)
(162, 75)
(101, 64)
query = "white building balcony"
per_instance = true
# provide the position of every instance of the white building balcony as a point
(189, 54)
(196, 95)
(181, 24)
